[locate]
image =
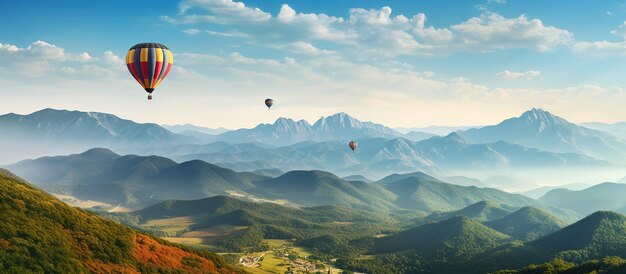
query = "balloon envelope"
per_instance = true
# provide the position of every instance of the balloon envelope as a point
(352, 145)
(149, 64)
(269, 103)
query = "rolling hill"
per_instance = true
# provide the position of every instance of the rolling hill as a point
(605, 196)
(596, 236)
(463, 245)
(527, 223)
(137, 181)
(481, 211)
(131, 180)
(42, 234)
(600, 234)
(245, 224)
(430, 195)
(455, 238)
(315, 188)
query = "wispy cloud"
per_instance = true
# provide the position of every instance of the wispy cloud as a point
(603, 48)
(511, 75)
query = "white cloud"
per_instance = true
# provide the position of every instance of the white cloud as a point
(191, 31)
(222, 12)
(492, 31)
(374, 32)
(304, 48)
(620, 31)
(603, 49)
(226, 34)
(42, 58)
(42, 51)
(496, 1)
(600, 48)
(511, 75)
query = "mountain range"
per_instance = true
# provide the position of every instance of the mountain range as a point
(338, 127)
(535, 141)
(541, 129)
(131, 180)
(53, 132)
(377, 157)
(136, 181)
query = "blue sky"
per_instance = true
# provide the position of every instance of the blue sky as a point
(402, 63)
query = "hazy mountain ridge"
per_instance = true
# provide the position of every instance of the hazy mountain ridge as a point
(285, 131)
(299, 145)
(101, 175)
(605, 196)
(527, 223)
(379, 156)
(51, 131)
(132, 180)
(541, 129)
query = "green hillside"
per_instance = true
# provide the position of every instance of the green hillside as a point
(481, 211)
(399, 177)
(605, 196)
(314, 188)
(246, 224)
(427, 195)
(131, 180)
(527, 223)
(41, 234)
(458, 237)
(599, 235)
(608, 265)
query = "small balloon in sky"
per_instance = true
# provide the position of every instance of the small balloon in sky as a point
(269, 102)
(352, 145)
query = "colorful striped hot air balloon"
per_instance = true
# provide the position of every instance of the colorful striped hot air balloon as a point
(149, 63)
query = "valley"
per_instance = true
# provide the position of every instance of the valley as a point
(296, 217)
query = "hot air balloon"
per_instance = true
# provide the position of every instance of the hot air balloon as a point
(352, 145)
(149, 63)
(269, 102)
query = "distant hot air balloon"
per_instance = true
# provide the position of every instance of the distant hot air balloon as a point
(352, 145)
(149, 63)
(269, 102)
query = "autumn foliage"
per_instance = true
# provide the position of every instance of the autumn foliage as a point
(41, 234)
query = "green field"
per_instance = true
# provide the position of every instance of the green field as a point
(273, 264)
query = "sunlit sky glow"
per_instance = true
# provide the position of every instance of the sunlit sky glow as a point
(401, 63)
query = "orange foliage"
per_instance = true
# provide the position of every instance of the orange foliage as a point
(152, 252)
(98, 267)
(4, 244)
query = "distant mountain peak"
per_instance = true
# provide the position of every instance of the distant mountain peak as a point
(541, 119)
(454, 137)
(100, 152)
(340, 119)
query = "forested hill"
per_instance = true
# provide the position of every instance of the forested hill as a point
(41, 234)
